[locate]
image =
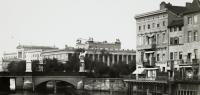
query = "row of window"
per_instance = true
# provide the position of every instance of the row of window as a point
(152, 18)
(154, 25)
(10, 57)
(176, 55)
(191, 36)
(158, 38)
(160, 57)
(192, 19)
(174, 29)
(58, 56)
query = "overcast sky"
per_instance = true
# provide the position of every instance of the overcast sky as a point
(60, 22)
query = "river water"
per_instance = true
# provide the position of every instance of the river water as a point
(78, 93)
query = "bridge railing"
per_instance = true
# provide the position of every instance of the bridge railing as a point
(42, 74)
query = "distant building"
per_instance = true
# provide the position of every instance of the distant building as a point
(91, 44)
(109, 53)
(27, 53)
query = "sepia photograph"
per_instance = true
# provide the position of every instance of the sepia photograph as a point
(100, 47)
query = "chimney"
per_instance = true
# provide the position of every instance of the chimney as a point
(188, 5)
(162, 5)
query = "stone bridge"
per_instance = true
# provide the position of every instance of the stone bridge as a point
(42, 77)
(73, 80)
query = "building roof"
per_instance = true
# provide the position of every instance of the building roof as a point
(35, 47)
(194, 7)
(176, 23)
(175, 9)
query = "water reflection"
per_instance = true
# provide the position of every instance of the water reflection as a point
(65, 93)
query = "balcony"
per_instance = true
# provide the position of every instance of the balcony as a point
(147, 47)
(149, 63)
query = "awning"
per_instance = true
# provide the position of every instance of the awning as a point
(139, 71)
(149, 52)
(185, 66)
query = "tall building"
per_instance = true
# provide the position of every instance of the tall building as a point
(179, 55)
(176, 44)
(153, 38)
(152, 35)
(184, 40)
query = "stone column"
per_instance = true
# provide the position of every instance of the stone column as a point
(127, 59)
(98, 57)
(113, 59)
(122, 57)
(103, 58)
(131, 57)
(117, 58)
(108, 60)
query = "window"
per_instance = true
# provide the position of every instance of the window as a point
(180, 55)
(176, 40)
(189, 57)
(180, 28)
(195, 19)
(189, 20)
(171, 55)
(195, 53)
(163, 69)
(158, 25)
(149, 26)
(163, 57)
(139, 28)
(163, 38)
(144, 27)
(171, 29)
(163, 23)
(158, 38)
(189, 36)
(175, 29)
(153, 25)
(195, 36)
(158, 57)
(171, 41)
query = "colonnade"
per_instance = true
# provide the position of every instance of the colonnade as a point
(111, 58)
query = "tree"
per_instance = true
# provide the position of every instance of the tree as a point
(89, 64)
(52, 65)
(35, 65)
(73, 64)
(132, 66)
(101, 69)
(17, 66)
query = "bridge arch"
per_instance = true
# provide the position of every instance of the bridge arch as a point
(73, 80)
(57, 83)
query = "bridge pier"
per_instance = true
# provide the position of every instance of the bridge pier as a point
(55, 88)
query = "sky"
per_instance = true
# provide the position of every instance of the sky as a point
(61, 22)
